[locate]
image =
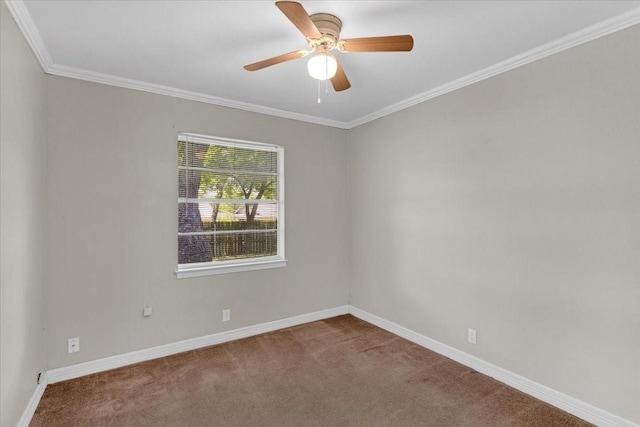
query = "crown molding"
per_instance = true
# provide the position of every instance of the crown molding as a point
(107, 79)
(25, 23)
(585, 35)
(22, 18)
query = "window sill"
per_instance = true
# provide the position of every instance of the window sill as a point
(186, 272)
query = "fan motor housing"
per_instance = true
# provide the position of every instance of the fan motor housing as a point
(329, 26)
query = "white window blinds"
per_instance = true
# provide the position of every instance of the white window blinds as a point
(230, 203)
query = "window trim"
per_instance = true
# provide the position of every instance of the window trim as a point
(247, 264)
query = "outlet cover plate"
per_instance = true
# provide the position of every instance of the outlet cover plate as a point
(73, 345)
(472, 336)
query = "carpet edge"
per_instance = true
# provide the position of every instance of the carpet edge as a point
(27, 415)
(574, 406)
(560, 400)
(112, 362)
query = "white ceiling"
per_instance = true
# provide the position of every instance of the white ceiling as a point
(196, 49)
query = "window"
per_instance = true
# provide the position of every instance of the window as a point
(230, 205)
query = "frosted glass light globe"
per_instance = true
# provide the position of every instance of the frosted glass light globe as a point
(322, 66)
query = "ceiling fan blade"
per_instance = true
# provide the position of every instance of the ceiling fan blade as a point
(300, 18)
(276, 60)
(340, 81)
(377, 44)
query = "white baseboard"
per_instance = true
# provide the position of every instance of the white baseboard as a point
(33, 402)
(94, 366)
(560, 400)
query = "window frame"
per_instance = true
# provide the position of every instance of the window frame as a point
(246, 264)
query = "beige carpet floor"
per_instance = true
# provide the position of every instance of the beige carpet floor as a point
(336, 372)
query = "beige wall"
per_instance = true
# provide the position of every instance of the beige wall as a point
(22, 144)
(512, 206)
(112, 221)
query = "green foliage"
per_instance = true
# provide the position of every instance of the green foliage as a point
(237, 173)
(230, 178)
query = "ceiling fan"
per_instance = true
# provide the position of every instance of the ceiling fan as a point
(322, 32)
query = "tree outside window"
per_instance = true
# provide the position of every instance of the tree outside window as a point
(229, 204)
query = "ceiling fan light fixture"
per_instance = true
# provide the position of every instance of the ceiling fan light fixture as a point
(322, 66)
(322, 33)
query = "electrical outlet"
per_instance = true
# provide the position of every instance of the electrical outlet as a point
(226, 315)
(472, 336)
(147, 311)
(73, 345)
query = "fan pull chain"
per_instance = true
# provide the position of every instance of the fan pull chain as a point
(326, 82)
(326, 74)
(326, 89)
